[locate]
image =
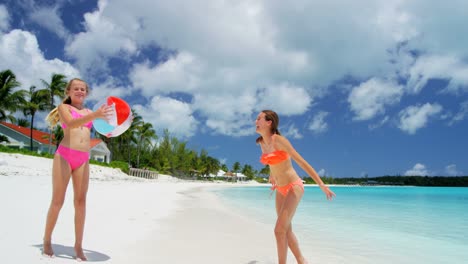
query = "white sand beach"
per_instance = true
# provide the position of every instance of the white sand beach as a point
(129, 220)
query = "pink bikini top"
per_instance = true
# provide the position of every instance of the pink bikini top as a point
(274, 157)
(76, 115)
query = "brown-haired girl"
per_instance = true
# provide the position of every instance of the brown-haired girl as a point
(277, 153)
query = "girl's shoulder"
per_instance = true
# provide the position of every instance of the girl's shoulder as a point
(63, 106)
(281, 142)
(72, 109)
(279, 138)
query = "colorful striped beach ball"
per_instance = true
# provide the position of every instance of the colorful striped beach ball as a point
(118, 122)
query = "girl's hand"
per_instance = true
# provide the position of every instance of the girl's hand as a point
(105, 111)
(327, 191)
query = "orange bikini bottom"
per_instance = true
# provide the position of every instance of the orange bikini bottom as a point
(286, 188)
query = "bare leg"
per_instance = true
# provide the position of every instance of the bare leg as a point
(292, 240)
(80, 178)
(294, 246)
(60, 178)
(286, 207)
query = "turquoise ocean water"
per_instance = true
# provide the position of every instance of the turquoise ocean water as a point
(369, 224)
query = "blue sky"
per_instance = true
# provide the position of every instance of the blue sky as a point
(361, 87)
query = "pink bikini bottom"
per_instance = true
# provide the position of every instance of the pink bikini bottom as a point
(75, 158)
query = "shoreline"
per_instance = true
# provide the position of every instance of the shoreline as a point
(204, 230)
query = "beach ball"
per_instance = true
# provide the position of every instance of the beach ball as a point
(118, 122)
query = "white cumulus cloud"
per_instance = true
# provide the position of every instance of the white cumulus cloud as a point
(171, 114)
(414, 118)
(244, 57)
(450, 68)
(285, 99)
(49, 18)
(180, 73)
(322, 173)
(418, 170)
(451, 170)
(291, 131)
(102, 40)
(371, 97)
(20, 52)
(461, 114)
(318, 123)
(4, 18)
(110, 87)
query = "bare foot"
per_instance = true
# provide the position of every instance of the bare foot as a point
(304, 261)
(47, 249)
(80, 256)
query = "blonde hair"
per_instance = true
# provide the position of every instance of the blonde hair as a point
(53, 117)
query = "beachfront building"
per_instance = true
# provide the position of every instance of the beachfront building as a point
(219, 175)
(99, 151)
(228, 176)
(19, 137)
(240, 177)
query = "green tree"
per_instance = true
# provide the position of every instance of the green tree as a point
(248, 171)
(24, 122)
(38, 100)
(213, 165)
(224, 167)
(129, 136)
(4, 138)
(265, 171)
(165, 151)
(56, 87)
(145, 133)
(235, 169)
(57, 135)
(183, 157)
(9, 99)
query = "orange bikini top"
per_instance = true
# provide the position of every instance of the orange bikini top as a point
(274, 157)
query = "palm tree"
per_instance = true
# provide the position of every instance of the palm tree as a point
(265, 171)
(38, 101)
(4, 138)
(9, 100)
(213, 165)
(56, 87)
(235, 168)
(24, 122)
(224, 167)
(248, 171)
(129, 135)
(57, 135)
(145, 133)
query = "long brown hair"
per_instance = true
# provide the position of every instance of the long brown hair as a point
(53, 117)
(270, 115)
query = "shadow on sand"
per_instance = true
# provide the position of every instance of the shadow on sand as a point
(65, 252)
